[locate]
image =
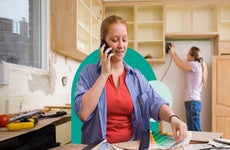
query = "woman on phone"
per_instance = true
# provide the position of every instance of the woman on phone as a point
(114, 100)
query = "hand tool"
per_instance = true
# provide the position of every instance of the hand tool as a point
(23, 124)
(5, 121)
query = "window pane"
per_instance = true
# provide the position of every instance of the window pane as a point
(20, 32)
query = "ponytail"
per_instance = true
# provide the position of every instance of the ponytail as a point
(204, 71)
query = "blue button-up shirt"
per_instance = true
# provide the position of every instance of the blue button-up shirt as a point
(146, 101)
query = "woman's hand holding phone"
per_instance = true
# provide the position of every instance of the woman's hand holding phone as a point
(105, 57)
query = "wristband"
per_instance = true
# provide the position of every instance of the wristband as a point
(170, 118)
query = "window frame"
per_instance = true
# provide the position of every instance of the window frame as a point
(45, 33)
(44, 43)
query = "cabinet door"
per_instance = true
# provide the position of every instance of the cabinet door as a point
(221, 94)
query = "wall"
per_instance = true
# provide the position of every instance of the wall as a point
(175, 79)
(31, 88)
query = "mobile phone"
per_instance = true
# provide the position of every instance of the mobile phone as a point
(106, 46)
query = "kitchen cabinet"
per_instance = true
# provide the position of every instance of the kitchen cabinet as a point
(153, 23)
(146, 26)
(191, 18)
(75, 27)
(220, 95)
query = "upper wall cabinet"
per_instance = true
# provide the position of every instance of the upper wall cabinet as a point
(191, 19)
(146, 26)
(75, 27)
(75, 24)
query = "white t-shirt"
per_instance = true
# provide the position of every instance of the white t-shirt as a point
(194, 82)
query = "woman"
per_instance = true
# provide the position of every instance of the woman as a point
(196, 78)
(114, 100)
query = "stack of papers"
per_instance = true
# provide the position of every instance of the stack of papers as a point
(207, 140)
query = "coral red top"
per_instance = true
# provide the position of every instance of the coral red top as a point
(119, 111)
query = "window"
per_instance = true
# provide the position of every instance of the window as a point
(20, 32)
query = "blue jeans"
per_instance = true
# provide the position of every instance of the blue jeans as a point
(193, 109)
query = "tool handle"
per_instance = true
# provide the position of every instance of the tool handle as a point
(34, 112)
(57, 114)
(20, 125)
